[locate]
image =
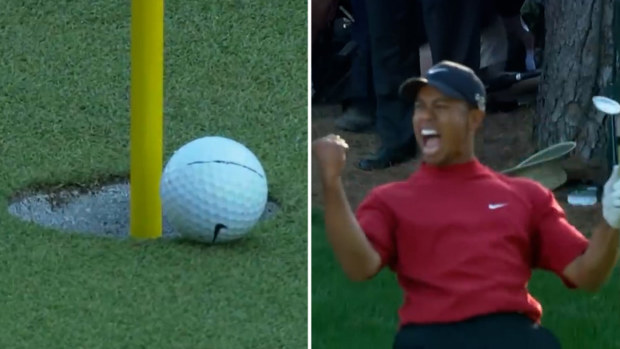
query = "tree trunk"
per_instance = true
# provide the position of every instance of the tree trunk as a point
(578, 64)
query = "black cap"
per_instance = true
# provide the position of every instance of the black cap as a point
(453, 80)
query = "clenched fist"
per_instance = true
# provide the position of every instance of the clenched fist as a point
(330, 153)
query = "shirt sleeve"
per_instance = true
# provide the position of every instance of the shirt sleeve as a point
(557, 242)
(378, 223)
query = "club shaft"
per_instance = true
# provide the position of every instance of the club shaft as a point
(613, 140)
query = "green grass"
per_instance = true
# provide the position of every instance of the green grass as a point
(233, 68)
(364, 315)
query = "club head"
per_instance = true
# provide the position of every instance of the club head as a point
(606, 105)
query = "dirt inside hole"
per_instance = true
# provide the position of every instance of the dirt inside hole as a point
(95, 209)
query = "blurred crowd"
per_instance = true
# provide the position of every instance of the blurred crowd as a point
(393, 40)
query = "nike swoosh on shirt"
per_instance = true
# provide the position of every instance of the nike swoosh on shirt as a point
(496, 206)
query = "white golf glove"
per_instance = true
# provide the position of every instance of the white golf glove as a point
(611, 199)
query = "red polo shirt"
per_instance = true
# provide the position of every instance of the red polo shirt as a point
(463, 240)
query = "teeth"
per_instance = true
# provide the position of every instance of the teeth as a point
(429, 132)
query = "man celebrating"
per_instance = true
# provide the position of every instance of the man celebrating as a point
(461, 238)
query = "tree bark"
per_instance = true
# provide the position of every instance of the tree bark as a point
(578, 64)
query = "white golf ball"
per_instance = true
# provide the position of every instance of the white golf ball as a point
(213, 189)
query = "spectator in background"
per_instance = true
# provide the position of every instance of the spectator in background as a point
(500, 21)
(360, 114)
(453, 28)
(493, 48)
(510, 12)
(323, 13)
(397, 29)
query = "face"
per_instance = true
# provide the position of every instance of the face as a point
(444, 127)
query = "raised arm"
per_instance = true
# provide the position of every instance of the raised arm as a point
(359, 260)
(592, 269)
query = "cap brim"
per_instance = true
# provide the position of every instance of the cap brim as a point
(411, 87)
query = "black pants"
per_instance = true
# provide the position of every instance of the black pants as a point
(397, 29)
(453, 28)
(394, 28)
(497, 331)
(361, 90)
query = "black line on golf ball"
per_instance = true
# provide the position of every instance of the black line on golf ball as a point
(226, 163)
(216, 231)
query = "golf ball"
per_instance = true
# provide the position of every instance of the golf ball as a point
(213, 189)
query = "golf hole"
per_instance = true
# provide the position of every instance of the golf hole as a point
(101, 210)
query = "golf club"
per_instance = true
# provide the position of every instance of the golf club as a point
(611, 108)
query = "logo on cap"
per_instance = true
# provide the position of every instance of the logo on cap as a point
(435, 70)
(480, 101)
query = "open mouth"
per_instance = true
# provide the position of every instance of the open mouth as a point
(431, 140)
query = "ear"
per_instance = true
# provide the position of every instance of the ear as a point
(476, 116)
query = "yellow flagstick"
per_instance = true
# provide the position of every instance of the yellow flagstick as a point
(147, 80)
